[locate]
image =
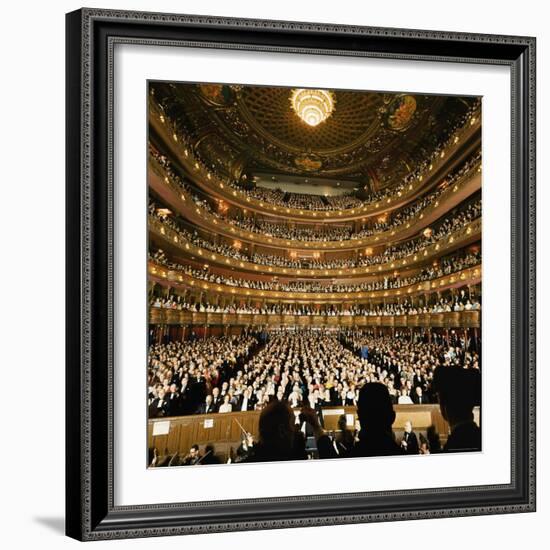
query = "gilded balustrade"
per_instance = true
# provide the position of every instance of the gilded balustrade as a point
(455, 319)
(174, 278)
(204, 218)
(455, 240)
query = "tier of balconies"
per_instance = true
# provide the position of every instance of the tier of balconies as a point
(455, 319)
(180, 149)
(181, 201)
(171, 239)
(186, 282)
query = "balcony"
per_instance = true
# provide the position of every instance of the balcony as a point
(460, 238)
(462, 319)
(173, 278)
(217, 187)
(182, 202)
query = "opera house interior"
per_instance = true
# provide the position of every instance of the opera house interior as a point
(314, 274)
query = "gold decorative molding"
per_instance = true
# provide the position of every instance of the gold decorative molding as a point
(183, 202)
(165, 276)
(462, 319)
(455, 240)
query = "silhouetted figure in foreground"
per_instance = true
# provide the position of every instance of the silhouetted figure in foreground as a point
(281, 439)
(345, 440)
(434, 444)
(459, 391)
(376, 416)
(209, 456)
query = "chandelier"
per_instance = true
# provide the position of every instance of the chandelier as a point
(312, 106)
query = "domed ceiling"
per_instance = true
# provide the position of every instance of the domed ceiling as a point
(373, 138)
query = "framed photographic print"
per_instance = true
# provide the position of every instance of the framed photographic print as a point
(300, 260)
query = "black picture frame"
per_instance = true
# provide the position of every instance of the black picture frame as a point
(90, 510)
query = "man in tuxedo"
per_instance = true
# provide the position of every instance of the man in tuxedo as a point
(174, 401)
(246, 402)
(409, 443)
(193, 457)
(418, 397)
(459, 391)
(207, 407)
(159, 406)
(217, 399)
(418, 379)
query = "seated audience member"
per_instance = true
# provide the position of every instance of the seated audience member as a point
(418, 397)
(193, 457)
(409, 443)
(207, 407)
(159, 407)
(404, 398)
(174, 401)
(246, 403)
(459, 391)
(217, 399)
(376, 416)
(226, 407)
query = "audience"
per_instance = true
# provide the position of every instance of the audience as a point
(443, 228)
(285, 435)
(323, 233)
(446, 266)
(316, 368)
(460, 302)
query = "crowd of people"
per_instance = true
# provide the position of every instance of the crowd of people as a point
(313, 368)
(320, 202)
(292, 375)
(443, 228)
(461, 302)
(283, 435)
(445, 266)
(323, 233)
(332, 232)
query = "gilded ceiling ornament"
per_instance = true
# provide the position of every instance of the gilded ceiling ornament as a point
(308, 163)
(399, 114)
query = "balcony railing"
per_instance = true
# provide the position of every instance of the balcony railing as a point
(184, 203)
(458, 238)
(455, 319)
(174, 278)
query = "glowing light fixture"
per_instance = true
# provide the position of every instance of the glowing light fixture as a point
(312, 106)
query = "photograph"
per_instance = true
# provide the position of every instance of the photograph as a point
(314, 274)
(271, 269)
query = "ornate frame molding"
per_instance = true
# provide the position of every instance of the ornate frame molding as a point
(91, 35)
